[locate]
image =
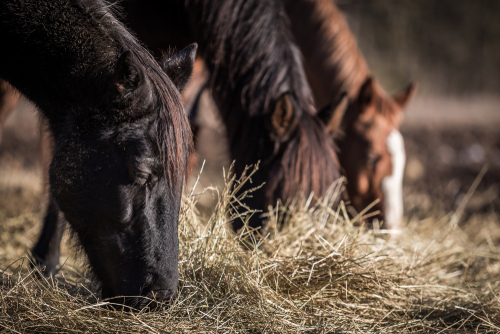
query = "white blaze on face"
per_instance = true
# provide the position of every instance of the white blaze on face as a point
(392, 185)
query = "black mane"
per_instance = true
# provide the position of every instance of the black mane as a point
(84, 66)
(253, 61)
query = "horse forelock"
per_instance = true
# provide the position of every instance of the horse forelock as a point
(308, 163)
(173, 132)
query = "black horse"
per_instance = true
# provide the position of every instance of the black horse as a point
(258, 83)
(121, 139)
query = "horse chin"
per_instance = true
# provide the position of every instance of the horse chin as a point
(392, 185)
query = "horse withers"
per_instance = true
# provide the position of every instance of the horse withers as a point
(371, 148)
(121, 140)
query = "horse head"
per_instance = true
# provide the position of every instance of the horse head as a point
(118, 176)
(371, 151)
(303, 160)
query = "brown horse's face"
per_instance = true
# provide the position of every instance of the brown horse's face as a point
(372, 152)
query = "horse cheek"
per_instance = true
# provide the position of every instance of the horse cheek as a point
(363, 183)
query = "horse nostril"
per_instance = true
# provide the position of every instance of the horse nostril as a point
(152, 299)
(164, 295)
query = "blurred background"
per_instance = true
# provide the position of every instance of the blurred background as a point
(451, 129)
(449, 46)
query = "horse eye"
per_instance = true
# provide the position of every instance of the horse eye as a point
(141, 177)
(372, 160)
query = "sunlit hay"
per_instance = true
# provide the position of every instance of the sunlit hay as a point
(313, 270)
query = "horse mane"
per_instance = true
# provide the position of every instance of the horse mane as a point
(252, 60)
(330, 48)
(173, 132)
(247, 48)
(334, 63)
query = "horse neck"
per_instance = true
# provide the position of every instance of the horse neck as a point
(333, 61)
(72, 65)
(252, 61)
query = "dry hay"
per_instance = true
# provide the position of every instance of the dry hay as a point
(319, 273)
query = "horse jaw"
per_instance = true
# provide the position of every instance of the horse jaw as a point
(392, 186)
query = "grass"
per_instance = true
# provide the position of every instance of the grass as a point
(313, 271)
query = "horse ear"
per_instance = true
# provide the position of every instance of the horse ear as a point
(128, 76)
(180, 66)
(332, 114)
(283, 117)
(404, 97)
(367, 92)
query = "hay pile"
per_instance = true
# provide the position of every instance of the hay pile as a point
(319, 273)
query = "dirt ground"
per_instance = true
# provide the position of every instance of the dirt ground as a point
(445, 155)
(448, 143)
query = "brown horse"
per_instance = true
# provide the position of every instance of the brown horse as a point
(371, 146)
